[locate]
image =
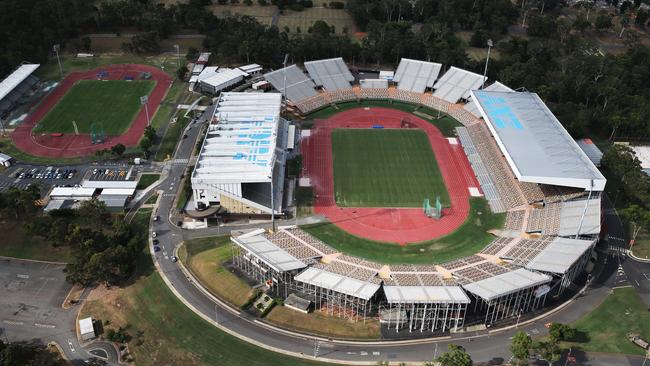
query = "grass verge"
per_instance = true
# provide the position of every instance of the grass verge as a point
(445, 123)
(322, 324)
(17, 243)
(168, 143)
(468, 239)
(205, 258)
(606, 327)
(146, 180)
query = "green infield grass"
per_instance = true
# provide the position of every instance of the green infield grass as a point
(385, 168)
(110, 104)
(468, 239)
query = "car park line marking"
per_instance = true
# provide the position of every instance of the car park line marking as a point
(23, 276)
(51, 326)
(71, 346)
(13, 322)
(375, 353)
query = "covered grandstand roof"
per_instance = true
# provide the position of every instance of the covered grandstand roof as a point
(425, 294)
(339, 283)
(15, 78)
(456, 84)
(299, 86)
(559, 255)
(275, 257)
(506, 283)
(373, 83)
(571, 215)
(535, 144)
(331, 74)
(472, 108)
(415, 75)
(240, 147)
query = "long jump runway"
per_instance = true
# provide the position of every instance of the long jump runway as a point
(70, 145)
(396, 225)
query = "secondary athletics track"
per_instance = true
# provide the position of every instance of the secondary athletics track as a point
(70, 145)
(397, 225)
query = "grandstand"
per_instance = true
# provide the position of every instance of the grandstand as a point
(472, 108)
(416, 76)
(242, 160)
(456, 84)
(298, 85)
(332, 74)
(15, 86)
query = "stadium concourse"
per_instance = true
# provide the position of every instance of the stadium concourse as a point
(397, 225)
(525, 162)
(70, 145)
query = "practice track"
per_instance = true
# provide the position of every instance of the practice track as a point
(69, 145)
(397, 225)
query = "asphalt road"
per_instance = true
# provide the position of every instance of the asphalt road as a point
(31, 309)
(490, 347)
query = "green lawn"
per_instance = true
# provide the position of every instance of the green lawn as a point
(146, 180)
(605, 328)
(385, 168)
(168, 143)
(69, 63)
(111, 105)
(468, 239)
(445, 123)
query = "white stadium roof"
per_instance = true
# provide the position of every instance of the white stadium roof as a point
(338, 283)
(223, 76)
(506, 283)
(299, 86)
(425, 294)
(456, 84)
(331, 74)
(472, 108)
(241, 146)
(534, 142)
(415, 75)
(571, 215)
(15, 78)
(275, 257)
(560, 255)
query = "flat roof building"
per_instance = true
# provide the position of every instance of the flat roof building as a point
(14, 86)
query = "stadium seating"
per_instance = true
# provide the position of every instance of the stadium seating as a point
(515, 220)
(545, 220)
(379, 94)
(342, 95)
(532, 192)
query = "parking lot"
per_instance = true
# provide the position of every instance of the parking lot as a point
(122, 173)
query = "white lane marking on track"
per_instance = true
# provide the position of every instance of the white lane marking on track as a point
(23, 276)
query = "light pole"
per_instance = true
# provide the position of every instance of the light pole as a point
(178, 57)
(144, 101)
(57, 48)
(518, 317)
(272, 201)
(489, 44)
(284, 87)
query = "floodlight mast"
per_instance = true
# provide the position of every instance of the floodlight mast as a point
(487, 60)
(284, 87)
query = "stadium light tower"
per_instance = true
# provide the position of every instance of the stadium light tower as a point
(490, 45)
(56, 48)
(284, 87)
(144, 100)
(178, 56)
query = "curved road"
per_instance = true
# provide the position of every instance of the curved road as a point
(484, 347)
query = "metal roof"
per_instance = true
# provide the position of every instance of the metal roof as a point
(72, 192)
(299, 86)
(373, 83)
(472, 108)
(425, 294)
(456, 84)
(331, 74)
(534, 142)
(4, 157)
(274, 256)
(591, 150)
(560, 255)
(15, 78)
(339, 283)
(123, 184)
(86, 326)
(240, 147)
(118, 191)
(223, 76)
(113, 200)
(506, 283)
(571, 215)
(416, 75)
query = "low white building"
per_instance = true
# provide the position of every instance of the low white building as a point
(86, 329)
(242, 160)
(252, 69)
(222, 80)
(5, 160)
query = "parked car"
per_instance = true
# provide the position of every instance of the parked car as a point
(156, 241)
(156, 249)
(174, 259)
(156, 218)
(153, 234)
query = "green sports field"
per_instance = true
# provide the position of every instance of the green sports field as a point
(111, 104)
(385, 168)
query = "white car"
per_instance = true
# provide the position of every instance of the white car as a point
(153, 234)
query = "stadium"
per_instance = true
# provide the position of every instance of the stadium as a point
(390, 176)
(93, 110)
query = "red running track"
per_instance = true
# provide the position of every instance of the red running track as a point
(397, 225)
(70, 145)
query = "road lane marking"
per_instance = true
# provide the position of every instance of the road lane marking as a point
(71, 346)
(375, 353)
(23, 276)
(51, 326)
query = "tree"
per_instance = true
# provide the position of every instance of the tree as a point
(561, 332)
(641, 18)
(150, 133)
(520, 347)
(581, 23)
(145, 145)
(603, 22)
(180, 72)
(192, 54)
(93, 212)
(638, 217)
(550, 351)
(118, 149)
(456, 356)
